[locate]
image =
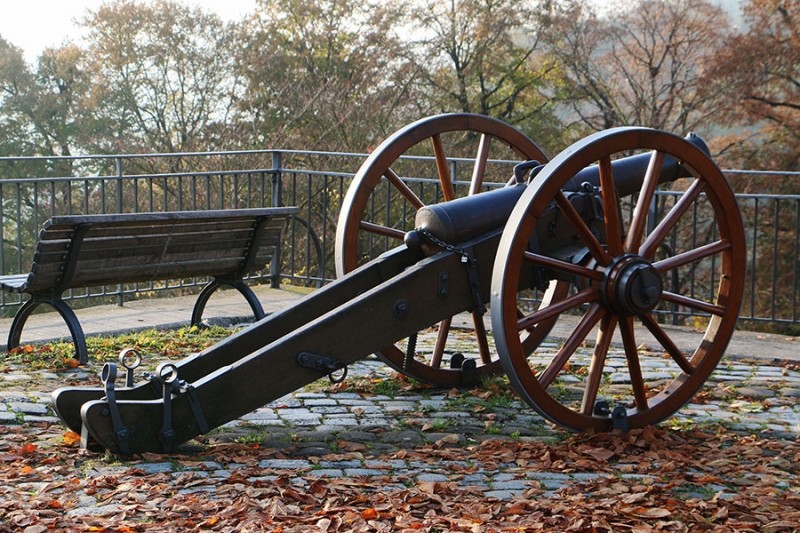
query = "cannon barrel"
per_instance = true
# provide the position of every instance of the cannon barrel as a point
(630, 171)
(465, 218)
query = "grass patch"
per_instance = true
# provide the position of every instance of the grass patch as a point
(387, 386)
(151, 344)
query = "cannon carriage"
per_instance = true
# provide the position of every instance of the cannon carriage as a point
(553, 241)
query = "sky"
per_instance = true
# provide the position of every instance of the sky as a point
(34, 25)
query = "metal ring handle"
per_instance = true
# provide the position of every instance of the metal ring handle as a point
(130, 358)
(108, 375)
(167, 373)
(340, 378)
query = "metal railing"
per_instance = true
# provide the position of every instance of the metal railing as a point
(315, 182)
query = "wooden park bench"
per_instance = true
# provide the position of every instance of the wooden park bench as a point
(94, 250)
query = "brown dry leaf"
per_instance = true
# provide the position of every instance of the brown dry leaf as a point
(647, 512)
(600, 454)
(428, 487)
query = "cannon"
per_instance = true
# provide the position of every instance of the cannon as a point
(549, 242)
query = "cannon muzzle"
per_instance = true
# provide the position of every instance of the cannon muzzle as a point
(465, 218)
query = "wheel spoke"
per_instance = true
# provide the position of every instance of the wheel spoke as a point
(563, 266)
(634, 367)
(482, 338)
(580, 298)
(401, 186)
(585, 234)
(381, 230)
(693, 303)
(610, 213)
(443, 169)
(594, 378)
(649, 186)
(480, 164)
(441, 342)
(555, 290)
(665, 226)
(589, 320)
(666, 342)
(691, 256)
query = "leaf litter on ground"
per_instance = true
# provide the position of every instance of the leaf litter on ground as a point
(651, 480)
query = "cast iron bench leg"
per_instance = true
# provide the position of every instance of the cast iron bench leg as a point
(208, 290)
(74, 326)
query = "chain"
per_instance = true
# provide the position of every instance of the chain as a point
(466, 257)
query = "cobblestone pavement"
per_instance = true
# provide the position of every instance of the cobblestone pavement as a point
(362, 432)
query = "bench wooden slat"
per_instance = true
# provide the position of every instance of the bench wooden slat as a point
(140, 248)
(65, 232)
(239, 240)
(170, 217)
(134, 257)
(154, 272)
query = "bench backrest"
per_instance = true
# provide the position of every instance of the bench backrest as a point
(82, 251)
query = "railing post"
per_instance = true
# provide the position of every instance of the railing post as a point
(277, 192)
(118, 161)
(277, 181)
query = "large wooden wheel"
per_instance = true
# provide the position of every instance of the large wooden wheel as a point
(620, 283)
(380, 207)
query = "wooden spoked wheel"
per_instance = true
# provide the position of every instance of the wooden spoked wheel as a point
(380, 207)
(619, 285)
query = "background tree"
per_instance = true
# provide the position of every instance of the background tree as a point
(759, 68)
(639, 64)
(16, 82)
(486, 57)
(327, 75)
(41, 110)
(162, 75)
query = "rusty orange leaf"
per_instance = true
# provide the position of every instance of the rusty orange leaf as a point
(71, 438)
(369, 514)
(28, 449)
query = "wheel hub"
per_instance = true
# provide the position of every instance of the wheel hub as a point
(632, 286)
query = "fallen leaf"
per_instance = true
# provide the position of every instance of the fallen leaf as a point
(428, 487)
(71, 438)
(647, 512)
(369, 514)
(28, 449)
